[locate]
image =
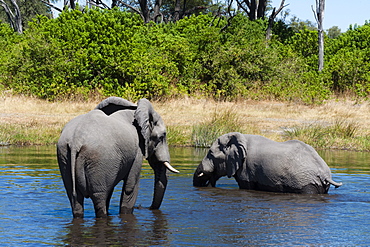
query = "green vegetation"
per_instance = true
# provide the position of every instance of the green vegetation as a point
(112, 52)
(97, 53)
(341, 134)
(205, 133)
(32, 133)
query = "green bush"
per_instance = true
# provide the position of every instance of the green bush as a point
(112, 52)
(348, 62)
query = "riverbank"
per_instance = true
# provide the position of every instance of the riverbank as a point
(336, 124)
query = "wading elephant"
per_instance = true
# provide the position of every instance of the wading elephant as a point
(98, 149)
(258, 163)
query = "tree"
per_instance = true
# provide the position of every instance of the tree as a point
(297, 24)
(334, 32)
(272, 18)
(19, 12)
(253, 8)
(14, 14)
(319, 15)
(70, 3)
(257, 9)
(31, 8)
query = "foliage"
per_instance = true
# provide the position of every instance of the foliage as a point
(32, 133)
(321, 135)
(334, 32)
(349, 64)
(112, 52)
(205, 133)
(297, 24)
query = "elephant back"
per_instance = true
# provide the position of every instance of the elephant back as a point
(113, 104)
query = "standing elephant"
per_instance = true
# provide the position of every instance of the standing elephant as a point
(98, 149)
(258, 163)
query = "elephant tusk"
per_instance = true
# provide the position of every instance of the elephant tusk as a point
(200, 174)
(169, 167)
(337, 185)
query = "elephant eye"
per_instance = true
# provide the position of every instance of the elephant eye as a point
(158, 139)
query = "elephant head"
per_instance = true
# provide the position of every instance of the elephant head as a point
(154, 148)
(224, 158)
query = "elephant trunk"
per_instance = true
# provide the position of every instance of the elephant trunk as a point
(202, 179)
(160, 185)
(198, 181)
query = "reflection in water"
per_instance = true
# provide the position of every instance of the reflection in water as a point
(263, 217)
(128, 231)
(347, 162)
(34, 208)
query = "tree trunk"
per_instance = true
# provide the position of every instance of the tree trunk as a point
(157, 13)
(73, 4)
(320, 6)
(144, 10)
(253, 10)
(176, 15)
(15, 18)
(114, 3)
(272, 18)
(261, 9)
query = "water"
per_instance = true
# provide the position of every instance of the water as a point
(35, 211)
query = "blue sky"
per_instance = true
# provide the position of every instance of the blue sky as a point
(341, 13)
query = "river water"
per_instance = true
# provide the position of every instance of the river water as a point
(35, 211)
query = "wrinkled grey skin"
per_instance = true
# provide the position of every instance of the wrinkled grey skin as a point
(258, 163)
(98, 149)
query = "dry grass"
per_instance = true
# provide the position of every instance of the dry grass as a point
(27, 120)
(267, 117)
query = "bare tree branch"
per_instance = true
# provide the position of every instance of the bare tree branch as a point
(272, 18)
(132, 8)
(51, 5)
(242, 7)
(98, 3)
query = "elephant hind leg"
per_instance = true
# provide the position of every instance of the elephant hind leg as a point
(314, 189)
(130, 188)
(77, 204)
(128, 199)
(100, 204)
(129, 194)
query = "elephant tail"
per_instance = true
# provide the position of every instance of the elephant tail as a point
(330, 181)
(73, 173)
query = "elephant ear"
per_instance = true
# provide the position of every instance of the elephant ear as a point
(146, 117)
(113, 104)
(235, 152)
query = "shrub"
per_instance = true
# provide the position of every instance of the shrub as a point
(112, 52)
(321, 135)
(205, 133)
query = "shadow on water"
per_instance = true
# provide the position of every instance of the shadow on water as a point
(124, 230)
